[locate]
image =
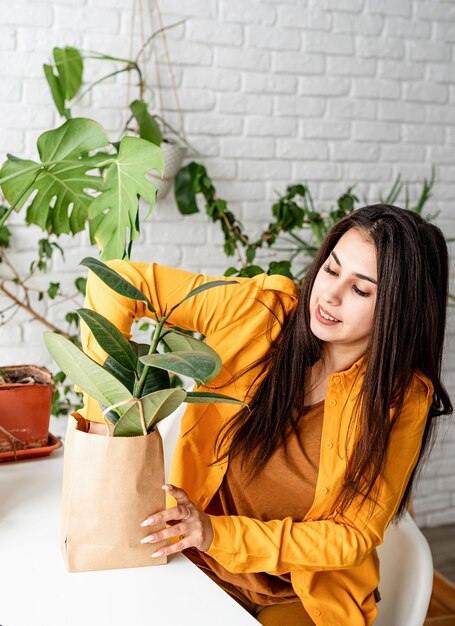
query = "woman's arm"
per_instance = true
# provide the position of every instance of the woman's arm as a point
(207, 313)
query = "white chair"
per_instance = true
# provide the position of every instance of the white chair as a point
(169, 430)
(406, 570)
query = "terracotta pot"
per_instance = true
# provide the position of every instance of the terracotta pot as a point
(25, 408)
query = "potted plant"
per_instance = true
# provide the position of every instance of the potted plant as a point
(135, 391)
(25, 403)
(65, 78)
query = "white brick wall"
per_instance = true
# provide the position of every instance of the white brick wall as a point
(329, 92)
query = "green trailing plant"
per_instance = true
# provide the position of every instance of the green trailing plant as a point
(134, 382)
(297, 228)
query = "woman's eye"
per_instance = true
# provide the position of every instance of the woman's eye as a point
(329, 271)
(364, 294)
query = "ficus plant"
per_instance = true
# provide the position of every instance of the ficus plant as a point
(134, 381)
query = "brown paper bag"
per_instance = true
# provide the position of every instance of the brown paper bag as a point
(110, 485)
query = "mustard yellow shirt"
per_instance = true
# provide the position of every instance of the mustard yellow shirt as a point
(332, 560)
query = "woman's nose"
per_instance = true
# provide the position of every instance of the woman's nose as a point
(331, 296)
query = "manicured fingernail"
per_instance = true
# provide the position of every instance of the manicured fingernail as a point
(148, 539)
(167, 487)
(148, 522)
(159, 553)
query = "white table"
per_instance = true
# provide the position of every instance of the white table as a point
(36, 589)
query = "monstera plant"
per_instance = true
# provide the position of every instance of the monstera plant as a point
(76, 180)
(134, 382)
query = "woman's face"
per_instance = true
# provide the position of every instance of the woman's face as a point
(343, 297)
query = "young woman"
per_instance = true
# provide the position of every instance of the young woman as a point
(284, 502)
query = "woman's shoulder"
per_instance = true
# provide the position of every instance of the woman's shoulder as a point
(280, 285)
(420, 382)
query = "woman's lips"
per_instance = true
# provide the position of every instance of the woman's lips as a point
(323, 320)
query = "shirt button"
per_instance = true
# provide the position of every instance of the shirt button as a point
(336, 379)
(333, 402)
(317, 613)
(329, 444)
(324, 490)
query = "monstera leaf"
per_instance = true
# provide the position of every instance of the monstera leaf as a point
(61, 183)
(148, 126)
(65, 78)
(70, 66)
(114, 213)
(60, 180)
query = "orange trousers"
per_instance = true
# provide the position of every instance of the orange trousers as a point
(284, 615)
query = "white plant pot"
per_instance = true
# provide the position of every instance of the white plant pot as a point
(173, 154)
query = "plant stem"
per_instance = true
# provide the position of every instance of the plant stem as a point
(128, 68)
(6, 215)
(138, 386)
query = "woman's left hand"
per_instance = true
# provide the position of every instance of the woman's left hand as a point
(192, 526)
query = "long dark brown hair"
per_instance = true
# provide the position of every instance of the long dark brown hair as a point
(407, 335)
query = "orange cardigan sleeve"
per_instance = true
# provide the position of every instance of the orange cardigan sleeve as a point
(244, 545)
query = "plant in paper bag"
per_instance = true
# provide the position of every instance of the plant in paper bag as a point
(134, 382)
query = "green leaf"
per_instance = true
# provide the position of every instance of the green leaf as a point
(125, 376)
(197, 365)
(176, 381)
(202, 397)
(109, 338)
(84, 372)
(81, 285)
(5, 235)
(250, 271)
(282, 268)
(156, 379)
(45, 248)
(59, 377)
(69, 64)
(115, 211)
(72, 318)
(186, 187)
(201, 288)
(156, 406)
(115, 281)
(55, 87)
(52, 290)
(231, 271)
(179, 342)
(59, 185)
(250, 254)
(148, 126)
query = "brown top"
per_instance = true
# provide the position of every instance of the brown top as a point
(285, 487)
